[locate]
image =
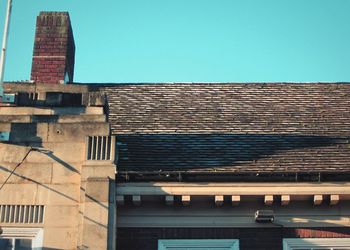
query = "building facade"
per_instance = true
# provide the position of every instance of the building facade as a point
(170, 165)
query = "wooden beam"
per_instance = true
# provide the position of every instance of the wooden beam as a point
(235, 200)
(169, 200)
(136, 200)
(219, 200)
(186, 199)
(334, 199)
(268, 200)
(318, 199)
(285, 199)
(120, 200)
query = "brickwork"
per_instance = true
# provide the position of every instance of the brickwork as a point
(53, 57)
(249, 238)
(342, 232)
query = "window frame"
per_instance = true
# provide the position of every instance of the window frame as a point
(296, 243)
(231, 244)
(34, 234)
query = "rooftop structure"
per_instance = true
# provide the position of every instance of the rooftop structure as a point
(170, 165)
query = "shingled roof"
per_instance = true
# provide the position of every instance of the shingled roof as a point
(268, 127)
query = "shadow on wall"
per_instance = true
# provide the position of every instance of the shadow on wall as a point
(27, 134)
(4, 169)
(24, 134)
(204, 151)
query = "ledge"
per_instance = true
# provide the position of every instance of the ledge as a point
(159, 188)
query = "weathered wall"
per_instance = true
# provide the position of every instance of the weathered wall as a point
(75, 192)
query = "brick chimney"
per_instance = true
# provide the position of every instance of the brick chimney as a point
(54, 49)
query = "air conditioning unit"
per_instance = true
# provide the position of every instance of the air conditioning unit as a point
(264, 216)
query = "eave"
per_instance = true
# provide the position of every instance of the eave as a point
(270, 193)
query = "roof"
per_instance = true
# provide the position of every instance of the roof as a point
(257, 127)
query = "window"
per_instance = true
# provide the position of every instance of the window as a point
(317, 244)
(198, 244)
(100, 148)
(21, 214)
(21, 238)
(15, 244)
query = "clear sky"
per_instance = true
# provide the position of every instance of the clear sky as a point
(193, 40)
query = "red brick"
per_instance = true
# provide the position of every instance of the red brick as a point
(53, 38)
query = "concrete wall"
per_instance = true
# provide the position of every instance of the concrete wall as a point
(54, 173)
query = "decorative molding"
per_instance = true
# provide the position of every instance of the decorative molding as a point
(285, 199)
(318, 199)
(169, 200)
(186, 199)
(172, 188)
(270, 192)
(338, 243)
(235, 200)
(334, 199)
(35, 234)
(198, 244)
(18, 231)
(219, 200)
(268, 200)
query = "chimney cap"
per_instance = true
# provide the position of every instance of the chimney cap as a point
(54, 13)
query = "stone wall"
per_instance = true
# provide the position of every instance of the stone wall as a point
(47, 152)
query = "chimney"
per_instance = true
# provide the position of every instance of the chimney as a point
(54, 49)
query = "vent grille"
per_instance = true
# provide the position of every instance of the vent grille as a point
(22, 214)
(100, 148)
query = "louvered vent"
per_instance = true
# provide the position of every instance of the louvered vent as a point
(100, 148)
(22, 214)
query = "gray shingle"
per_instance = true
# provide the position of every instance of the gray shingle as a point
(283, 127)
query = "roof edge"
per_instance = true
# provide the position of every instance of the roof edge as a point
(209, 83)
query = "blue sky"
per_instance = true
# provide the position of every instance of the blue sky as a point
(193, 40)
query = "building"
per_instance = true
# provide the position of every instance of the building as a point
(170, 165)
